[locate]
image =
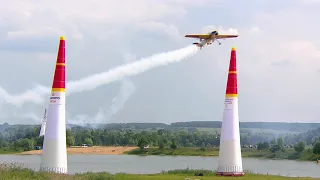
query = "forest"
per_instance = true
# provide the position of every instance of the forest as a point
(183, 134)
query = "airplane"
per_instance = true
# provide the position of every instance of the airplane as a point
(207, 39)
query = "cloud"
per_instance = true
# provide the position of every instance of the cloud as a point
(270, 34)
(281, 63)
(60, 17)
(30, 21)
(220, 29)
(285, 89)
(255, 30)
(95, 38)
(304, 49)
(168, 30)
(310, 1)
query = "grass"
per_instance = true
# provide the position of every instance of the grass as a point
(289, 154)
(16, 171)
(8, 151)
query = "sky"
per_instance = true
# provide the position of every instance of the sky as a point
(278, 59)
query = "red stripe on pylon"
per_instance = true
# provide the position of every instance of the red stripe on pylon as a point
(232, 83)
(59, 79)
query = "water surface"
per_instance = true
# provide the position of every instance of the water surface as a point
(155, 164)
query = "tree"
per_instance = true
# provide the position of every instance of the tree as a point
(70, 141)
(88, 141)
(263, 146)
(316, 148)
(266, 145)
(26, 144)
(260, 146)
(300, 146)
(173, 146)
(203, 147)
(39, 141)
(142, 142)
(160, 131)
(3, 142)
(280, 142)
(275, 148)
(161, 144)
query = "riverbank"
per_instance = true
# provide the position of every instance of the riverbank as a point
(289, 154)
(101, 150)
(21, 173)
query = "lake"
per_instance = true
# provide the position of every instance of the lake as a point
(155, 164)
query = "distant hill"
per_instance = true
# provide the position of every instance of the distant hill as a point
(277, 126)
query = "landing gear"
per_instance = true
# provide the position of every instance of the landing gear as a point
(218, 42)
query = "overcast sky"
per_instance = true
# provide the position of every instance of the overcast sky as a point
(277, 51)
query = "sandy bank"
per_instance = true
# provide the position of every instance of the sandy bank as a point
(90, 150)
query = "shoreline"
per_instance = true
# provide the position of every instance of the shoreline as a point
(214, 152)
(98, 150)
(133, 150)
(190, 174)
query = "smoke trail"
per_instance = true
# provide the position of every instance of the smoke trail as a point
(92, 82)
(137, 67)
(105, 114)
(127, 89)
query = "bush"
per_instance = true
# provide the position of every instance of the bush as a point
(173, 146)
(189, 171)
(316, 148)
(300, 146)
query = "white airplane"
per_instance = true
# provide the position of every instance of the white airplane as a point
(207, 39)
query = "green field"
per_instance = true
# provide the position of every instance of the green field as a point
(246, 152)
(25, 174)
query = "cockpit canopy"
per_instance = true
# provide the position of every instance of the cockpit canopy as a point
(215, 32)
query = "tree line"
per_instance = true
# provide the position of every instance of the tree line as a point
(25, 137)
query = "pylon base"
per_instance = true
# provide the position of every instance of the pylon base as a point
(230, 173)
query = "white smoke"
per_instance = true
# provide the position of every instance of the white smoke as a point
(131, 69)
(105, 114)
(127, 89)
(36, 95)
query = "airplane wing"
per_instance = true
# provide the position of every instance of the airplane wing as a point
(225, 36)
(200, 36)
